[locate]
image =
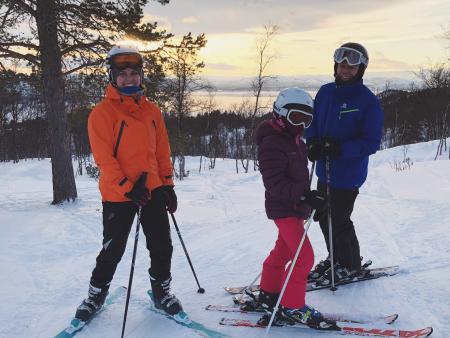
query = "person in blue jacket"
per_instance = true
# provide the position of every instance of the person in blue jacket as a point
(346, 129)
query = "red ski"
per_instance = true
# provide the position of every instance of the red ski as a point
(339, 317)
(350, 330)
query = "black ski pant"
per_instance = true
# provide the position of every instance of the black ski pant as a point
(118, 219)
(345, 243)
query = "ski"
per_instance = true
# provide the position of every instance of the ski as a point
(339, 317)
(346, 330)
(183, 319)
(234, 290)
(77, 325)
(373, 274)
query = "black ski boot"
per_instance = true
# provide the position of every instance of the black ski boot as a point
(162, 297)
(307, 316)
(263, 302)
(278, 319)
(90, 305)
(341, 275)
(319, 269)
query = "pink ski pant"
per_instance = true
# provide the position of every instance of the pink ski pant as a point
(276, 267)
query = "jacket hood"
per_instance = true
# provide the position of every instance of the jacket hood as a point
(270, 127)
(265, 129)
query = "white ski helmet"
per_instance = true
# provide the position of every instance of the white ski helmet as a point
(296, 105)
(121, 57)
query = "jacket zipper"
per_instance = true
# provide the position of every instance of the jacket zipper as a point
(347, 111)
(116, 147)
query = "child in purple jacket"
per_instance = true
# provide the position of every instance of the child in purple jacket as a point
(283, 164)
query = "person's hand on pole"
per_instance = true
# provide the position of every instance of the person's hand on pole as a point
(315, 199)
(139, 194)
(171, 198)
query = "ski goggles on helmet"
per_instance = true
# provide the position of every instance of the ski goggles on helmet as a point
(352, 56)
(296, 117)
(125, 60)
(299, 117)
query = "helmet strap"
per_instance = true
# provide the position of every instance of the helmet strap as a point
(278, 120)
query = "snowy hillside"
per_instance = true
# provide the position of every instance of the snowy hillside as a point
(47, 252)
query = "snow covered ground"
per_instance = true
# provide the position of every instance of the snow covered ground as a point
(47, 252)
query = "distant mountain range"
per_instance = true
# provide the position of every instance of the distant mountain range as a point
(376, 81)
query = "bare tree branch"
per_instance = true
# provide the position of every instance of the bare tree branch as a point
(81, 45)
(19, 44)
(84, 65)
(5, 16)
(25, 7)
(12, 54)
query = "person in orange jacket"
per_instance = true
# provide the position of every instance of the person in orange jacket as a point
(130, 145)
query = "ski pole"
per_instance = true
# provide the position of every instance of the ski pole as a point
(243, 292)
(294, 260)
(330, 224)
(130, 281)
(200, 289)
(248, 287)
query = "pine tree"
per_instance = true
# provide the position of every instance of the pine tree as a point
(63, 37)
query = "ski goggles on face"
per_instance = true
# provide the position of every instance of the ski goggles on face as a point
(352, 56)
(299, 117)
(123, 61)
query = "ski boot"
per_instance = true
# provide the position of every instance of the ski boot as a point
(308, 316)
(341, 275)
(319, 269)
(278, 320)
(263, 302)
(90, 305)
(162, 297)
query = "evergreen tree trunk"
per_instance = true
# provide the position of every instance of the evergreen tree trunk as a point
(64, 188)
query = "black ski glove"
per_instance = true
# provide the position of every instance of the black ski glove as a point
(314, 148)
(315, 198)
(139, 194)
(318, 215)
(171, 198)
(331, 148)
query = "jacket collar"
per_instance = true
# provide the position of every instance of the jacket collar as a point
(346, 90)
(128, 102)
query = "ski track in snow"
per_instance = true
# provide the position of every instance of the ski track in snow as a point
(47, 252)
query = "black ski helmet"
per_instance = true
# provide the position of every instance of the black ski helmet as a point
(362, 67)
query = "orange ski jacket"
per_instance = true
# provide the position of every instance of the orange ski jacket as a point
(128, 138)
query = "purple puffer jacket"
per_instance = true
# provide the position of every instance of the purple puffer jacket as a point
(284, 167)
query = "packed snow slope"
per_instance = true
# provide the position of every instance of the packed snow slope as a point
(47, 252)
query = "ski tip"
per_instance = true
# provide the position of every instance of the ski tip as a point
(425, 332)
(74, 326)
(392, 318)
(182, 317)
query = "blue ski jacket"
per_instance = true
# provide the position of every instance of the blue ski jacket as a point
(352, 116)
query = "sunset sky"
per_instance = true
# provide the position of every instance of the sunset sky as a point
(400, 35)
